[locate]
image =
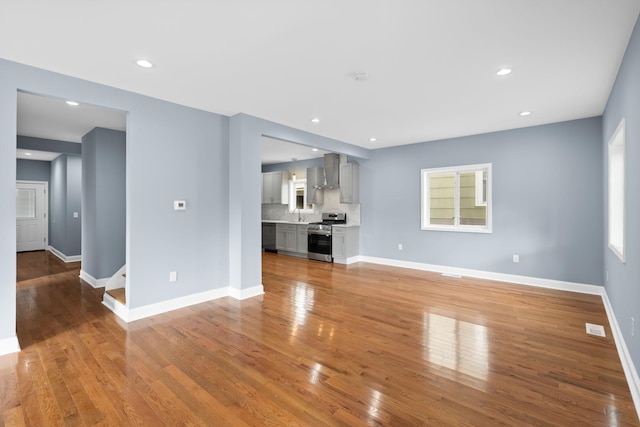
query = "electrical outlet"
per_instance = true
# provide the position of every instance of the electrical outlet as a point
(516, 258)
(399, 246)
(173, 276)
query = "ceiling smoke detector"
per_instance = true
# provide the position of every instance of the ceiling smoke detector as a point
(360, 77)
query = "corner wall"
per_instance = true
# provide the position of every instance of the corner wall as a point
(65, 199)
(623, 284)
(104, 201)
(173, 153)
(547, 197)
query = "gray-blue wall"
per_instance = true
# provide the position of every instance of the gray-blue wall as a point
(173, 153)
(57, 205)
(547, 198)
(33, 170)
(623, 286)
(65, 199)
(299, 167)
(104, 202)
(51, 145)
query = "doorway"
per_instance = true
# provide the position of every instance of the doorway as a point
(32, 211)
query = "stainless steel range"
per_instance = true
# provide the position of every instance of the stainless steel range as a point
(319, 242)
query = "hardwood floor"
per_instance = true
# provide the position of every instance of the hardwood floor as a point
(326, 345)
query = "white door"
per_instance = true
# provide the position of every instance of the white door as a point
(31, 216)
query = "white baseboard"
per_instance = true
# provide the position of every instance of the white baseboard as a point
(9, 345)
(241, 294)
(96, 283)
(625, 358)
(63, 257)
(623, 352)
(118, 309)
(347, 261)
(130, 315)
(500, 277)
(174, 304)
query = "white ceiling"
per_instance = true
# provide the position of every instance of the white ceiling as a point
(45, 156)
(277, 151)
(431, 64)
(51, 118)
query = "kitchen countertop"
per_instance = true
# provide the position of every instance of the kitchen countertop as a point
(280, 221)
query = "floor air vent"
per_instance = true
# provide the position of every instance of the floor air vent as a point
(597, 330)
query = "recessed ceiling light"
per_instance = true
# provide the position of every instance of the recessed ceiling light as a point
(314, 149)
(315, 120)
(372, 140)
(503, 71)
(525, 113)
(72, 103)
(144, 63)
(28, 154)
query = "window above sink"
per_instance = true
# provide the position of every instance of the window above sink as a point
(298, 197)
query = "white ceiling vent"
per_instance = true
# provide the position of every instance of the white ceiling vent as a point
(597, 330)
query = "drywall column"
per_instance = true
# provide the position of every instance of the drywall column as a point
(57, 204)
(73, 204)
(8, 339)
(103, 202)
(245, 263)
(65, 191)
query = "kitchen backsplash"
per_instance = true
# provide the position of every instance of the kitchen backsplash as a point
(331, 204)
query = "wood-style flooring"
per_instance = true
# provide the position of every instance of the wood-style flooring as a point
(327, 345)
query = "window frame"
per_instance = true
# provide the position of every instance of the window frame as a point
(425, 222)
(292, 196)
(616, 200)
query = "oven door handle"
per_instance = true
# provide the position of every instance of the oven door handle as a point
(320, 233)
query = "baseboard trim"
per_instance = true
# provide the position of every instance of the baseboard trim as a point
(116, 307)
(63, 257)
(9, 345)
(130, 315)
(499, 277)
(628, 367)
(623, 352)
(241, 294)
(96, 283)
(347, 261)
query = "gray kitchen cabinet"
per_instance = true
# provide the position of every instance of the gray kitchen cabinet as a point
(275, 187)
(303, 237)
(287, 237)
(315, 182)
(345, 243)
(349, 183)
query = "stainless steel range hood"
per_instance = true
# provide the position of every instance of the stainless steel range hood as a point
(332, 170)
(328, 177)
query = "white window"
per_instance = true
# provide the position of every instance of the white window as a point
(298, 197)
(457, 198)
(617, 165)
